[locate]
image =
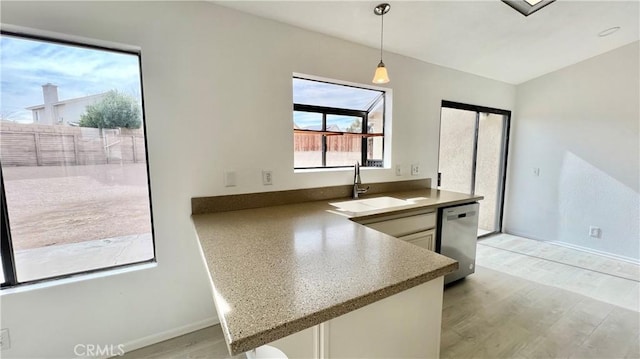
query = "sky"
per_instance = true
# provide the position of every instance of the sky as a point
(26, 65)
(318, 93)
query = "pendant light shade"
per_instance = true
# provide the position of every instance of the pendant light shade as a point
(381, 76)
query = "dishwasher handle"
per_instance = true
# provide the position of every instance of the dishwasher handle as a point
(461, 215)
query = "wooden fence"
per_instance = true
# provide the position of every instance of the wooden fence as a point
(54, 145)
(313, 142)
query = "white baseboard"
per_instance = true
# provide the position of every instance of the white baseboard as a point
(522, 234)
(594, 251)
(169, 334)
(576, 247)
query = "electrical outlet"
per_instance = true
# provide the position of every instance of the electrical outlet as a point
(536, 171)
(595, 232)
(267, 177)
(398, 170)
(415, 169)
(5, 341)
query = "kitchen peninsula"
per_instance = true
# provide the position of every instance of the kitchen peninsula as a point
(301, 271)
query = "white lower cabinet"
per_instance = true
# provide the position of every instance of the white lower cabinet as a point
(418, 227)
(426, 239)
(303, 344)
(405, 325)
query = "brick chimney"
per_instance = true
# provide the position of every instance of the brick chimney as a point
(50, 95)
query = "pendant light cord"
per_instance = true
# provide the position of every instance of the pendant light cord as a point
(381, 35)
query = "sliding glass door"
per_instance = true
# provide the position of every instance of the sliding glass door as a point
(472, 157)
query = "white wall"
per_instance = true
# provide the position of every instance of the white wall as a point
(579, 125)
(217, 89)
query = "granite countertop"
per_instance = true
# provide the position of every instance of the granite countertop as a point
(281, 269)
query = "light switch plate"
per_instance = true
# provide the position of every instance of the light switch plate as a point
(398, 170)
(230, 178)
(5, 340)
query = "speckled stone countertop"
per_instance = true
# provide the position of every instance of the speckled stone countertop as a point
(281, 269)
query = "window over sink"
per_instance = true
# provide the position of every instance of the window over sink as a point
(335, 125)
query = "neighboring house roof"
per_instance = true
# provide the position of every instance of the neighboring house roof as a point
(63, 102)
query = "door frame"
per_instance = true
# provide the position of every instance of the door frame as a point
(505, 148)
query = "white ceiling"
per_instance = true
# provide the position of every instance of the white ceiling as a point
(486, 38)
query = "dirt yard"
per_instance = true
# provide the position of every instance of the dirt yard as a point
(52, 205)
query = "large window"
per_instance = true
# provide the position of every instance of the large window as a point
(337, 125)
(75, 190)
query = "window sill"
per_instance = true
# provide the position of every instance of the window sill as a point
(74, 278)
(336, 169)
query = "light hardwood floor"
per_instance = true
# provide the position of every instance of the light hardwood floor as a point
(527, 299)
(530, 299)
(206, 343)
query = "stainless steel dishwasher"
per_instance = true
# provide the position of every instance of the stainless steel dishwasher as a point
(457, 237)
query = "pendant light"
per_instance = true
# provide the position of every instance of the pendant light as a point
(381, 76)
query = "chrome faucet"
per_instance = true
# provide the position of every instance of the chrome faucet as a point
(357, 190)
